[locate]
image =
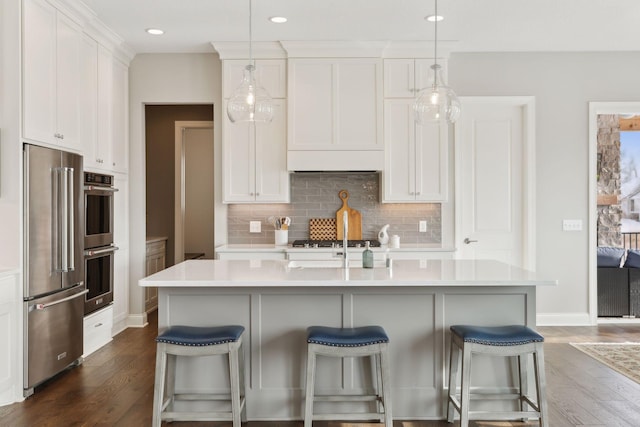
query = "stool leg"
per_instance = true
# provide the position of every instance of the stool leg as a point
(377, 370)
(386, 385)
(465, 385)
(523, 381)
(158, 388)
(541, 384)
(311, 376)
(453, 379)
(243, 392)
(234, 379)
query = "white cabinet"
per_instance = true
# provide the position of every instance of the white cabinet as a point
(120, 117)
(105, 119)
(51, 75)
(254, 166)
(10, 321)
(416, 158)
(335, 114)
(271, 73)
(404, 78)
(254, 169)
(97, 330)
(121, 259)
(155, 261)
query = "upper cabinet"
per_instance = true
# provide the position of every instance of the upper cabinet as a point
(335, 114)
(51, 72)
(254, 169)
(416, 156)
(119, 117)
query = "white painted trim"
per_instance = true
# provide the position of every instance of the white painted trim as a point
(596, 108)
(137, 320)
(179, 203)
(563, 319)
(529, 177)
(240, 50)
(334, 49)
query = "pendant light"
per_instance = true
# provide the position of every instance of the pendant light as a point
(437, 102)
(250, 102)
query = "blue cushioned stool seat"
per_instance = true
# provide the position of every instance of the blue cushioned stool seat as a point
(497, 335)
(180, 341)
(346, 337)
(199, 336)
(516, 342)
(361, 342)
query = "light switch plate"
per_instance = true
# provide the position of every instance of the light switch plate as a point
(255, 226)
(422, 226)
(572, 225)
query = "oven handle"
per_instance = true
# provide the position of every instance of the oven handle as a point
(56, 302)
(95, 187)
(92, 252)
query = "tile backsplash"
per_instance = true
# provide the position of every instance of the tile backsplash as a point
(315, 195)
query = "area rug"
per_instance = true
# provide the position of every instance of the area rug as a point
(622, 357)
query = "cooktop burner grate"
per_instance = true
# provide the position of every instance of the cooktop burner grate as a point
(333, 243)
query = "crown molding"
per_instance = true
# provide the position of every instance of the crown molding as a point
(240, 50)
(334, 49)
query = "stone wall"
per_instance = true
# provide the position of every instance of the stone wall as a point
(608, 170)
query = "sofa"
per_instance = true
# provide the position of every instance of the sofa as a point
(618, 282)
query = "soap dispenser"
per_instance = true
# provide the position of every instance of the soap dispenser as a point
(367, 256)
(383, 235)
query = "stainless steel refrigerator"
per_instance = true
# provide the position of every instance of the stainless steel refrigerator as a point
(54, 265)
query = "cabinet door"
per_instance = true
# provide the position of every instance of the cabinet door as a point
(68, 44)
(89, 101)
(416, 156)
(119, 117)
(404, 78)
(432, 162)
(272, 177)
(121, 261)
(335, 104)
(238, 168)
(105, 95)
(400, 166)
(39, 71)
(271, 73)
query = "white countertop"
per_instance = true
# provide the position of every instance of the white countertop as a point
(275, 273)
(407, 247)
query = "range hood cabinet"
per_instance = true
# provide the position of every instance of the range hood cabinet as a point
(335, 160)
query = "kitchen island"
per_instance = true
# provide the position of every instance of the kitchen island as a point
(415, 301)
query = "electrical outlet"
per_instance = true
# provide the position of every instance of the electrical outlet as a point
(255, 226)
(422, 226)
(572, 225)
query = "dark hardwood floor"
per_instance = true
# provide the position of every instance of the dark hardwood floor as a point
(114, 387)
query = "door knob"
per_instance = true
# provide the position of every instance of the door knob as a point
(467, 241)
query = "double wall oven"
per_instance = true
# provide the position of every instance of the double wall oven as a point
(99, 249)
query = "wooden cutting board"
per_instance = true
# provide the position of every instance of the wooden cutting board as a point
(355, 219)
(322, 229)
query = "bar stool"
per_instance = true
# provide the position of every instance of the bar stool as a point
(350, 342)
(514, 340)
(198, 341)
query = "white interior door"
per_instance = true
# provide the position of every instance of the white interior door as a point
(494, 186)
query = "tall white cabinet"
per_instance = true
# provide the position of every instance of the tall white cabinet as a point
(416, 156)
(254, 167)
(51, 72)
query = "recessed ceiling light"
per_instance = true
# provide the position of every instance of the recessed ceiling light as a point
(155, 31)
(434, 18)
(278, 19)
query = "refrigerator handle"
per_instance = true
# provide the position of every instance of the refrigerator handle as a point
(71, 232)
(64, 222)
(56, 241)
(56, 302)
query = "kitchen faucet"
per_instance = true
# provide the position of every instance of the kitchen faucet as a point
(345, 240)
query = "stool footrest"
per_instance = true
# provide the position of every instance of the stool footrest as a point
(197, 416)
(203, 397)
(346, 398)
(349, 417)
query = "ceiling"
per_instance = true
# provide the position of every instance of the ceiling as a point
(476, 25)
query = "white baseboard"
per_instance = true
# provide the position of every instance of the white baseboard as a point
(137, 320)
(563, 319)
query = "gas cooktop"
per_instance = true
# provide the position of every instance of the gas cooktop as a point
(333, 243)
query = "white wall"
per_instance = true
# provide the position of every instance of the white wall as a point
(167, 79)
(563, 84)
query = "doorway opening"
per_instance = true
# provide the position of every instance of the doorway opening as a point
(160, 158)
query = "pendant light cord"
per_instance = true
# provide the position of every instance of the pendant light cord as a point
(435, 43)
(250, 34)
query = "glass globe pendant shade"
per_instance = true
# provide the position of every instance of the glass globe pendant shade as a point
(250, 102)
(437, 102)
